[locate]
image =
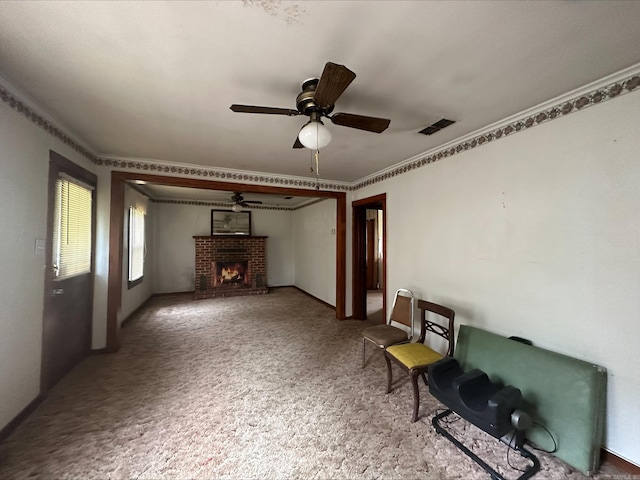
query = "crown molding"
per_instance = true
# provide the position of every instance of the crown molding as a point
(23, 104)
(594, 93)
(199, 203)
(607, 88)
(220, 173)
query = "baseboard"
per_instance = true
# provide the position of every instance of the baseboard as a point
(144, 304)
(135, 312)
(620, 463)
(169, 294)
(307, 294)
(283, 286)
(18, 419)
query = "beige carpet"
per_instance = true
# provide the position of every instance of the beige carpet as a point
(264, 387)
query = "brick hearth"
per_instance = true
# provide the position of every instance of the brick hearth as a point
(230, 248)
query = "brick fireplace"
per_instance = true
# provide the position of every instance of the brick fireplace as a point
(229, 265)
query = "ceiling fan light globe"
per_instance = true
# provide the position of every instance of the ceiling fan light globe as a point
(314, 135)
(236, 208)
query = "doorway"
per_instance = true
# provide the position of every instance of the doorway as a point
(69, 272)
(369, 258)
(116, 222)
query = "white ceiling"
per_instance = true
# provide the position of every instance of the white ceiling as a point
(154, 80)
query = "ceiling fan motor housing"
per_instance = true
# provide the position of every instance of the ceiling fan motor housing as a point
(239, 200)
(305, 100)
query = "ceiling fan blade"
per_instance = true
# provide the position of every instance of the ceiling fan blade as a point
(267, 110)
(297, 143)
(334, 81)
(361, 122)
(257, 202)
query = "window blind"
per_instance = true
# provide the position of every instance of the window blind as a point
(71, 229)
(136, 243)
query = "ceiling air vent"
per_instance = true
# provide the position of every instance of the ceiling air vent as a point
(435, 127)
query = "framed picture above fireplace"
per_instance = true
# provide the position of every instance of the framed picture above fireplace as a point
(226, 222)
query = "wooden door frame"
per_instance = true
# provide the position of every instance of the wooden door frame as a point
(372, 277)
(358, 231)
(116, 231)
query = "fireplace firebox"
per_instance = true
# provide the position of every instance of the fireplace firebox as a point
(231, 273)
(229, 265)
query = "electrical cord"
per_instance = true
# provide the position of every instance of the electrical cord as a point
(536, 447)
(509, 447)
(532, 445)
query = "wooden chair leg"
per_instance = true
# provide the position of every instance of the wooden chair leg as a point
(424, 377)
(389, 379)
(416, 396)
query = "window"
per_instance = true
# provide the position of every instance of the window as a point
(72, 228)
(136, 246)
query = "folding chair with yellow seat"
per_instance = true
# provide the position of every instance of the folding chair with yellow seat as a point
(384, 335)
(415, 358)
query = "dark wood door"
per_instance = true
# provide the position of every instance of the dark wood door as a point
(372, 271)
(68, 302)
(359, 264)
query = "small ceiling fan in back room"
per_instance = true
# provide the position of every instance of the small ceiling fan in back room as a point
(240, 202)
(317, 100)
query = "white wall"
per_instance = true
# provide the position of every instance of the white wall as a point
(176, 224)
(314, 247)
(536, 235)
(24, 169)
(278, 226)
(136, 296)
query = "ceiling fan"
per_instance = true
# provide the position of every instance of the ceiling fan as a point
(240, 202)
(317, 100)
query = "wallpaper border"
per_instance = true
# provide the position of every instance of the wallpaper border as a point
(487, 135)
(202, 203)
(521, 124)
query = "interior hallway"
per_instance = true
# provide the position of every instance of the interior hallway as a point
(374, 306)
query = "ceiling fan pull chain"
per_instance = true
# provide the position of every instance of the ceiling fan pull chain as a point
(317, 170)
(311, 161)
